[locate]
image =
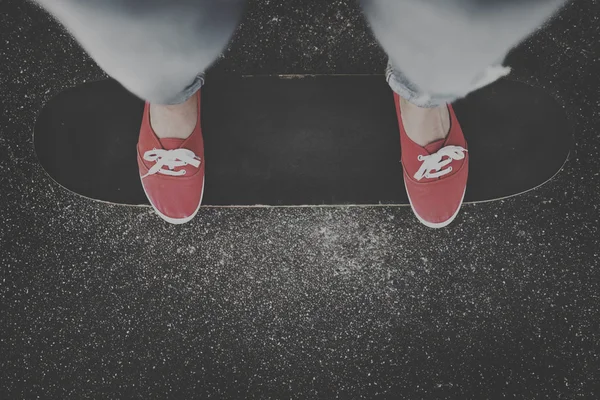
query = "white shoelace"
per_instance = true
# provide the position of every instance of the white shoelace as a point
(433, 163)
(170, 159)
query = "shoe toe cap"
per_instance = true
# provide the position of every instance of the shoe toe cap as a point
(174, 200)
(436, 204)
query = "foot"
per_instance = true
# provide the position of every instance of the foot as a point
(424, 125)
(435, 161)
(171, 159)
(176, 121)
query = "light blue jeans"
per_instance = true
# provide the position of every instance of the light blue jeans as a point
(439, 50)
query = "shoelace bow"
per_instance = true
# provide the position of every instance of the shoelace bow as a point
(435, 162)
(170, 159)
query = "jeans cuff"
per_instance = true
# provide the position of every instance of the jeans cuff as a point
(410, 91)
(188, 92)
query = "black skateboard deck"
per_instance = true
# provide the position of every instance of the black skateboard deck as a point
(301, 140)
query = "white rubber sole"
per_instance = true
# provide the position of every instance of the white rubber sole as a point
(177, 221)
(432, 224)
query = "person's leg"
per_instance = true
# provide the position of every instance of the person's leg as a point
(158, 49)
(439, 51)
(155, 48)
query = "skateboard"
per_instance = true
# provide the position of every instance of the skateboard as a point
(300, 140)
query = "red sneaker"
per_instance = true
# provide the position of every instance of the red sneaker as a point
(172, 171)
(435, 176)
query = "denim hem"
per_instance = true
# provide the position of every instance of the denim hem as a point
(188, 92)
(411, 93)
